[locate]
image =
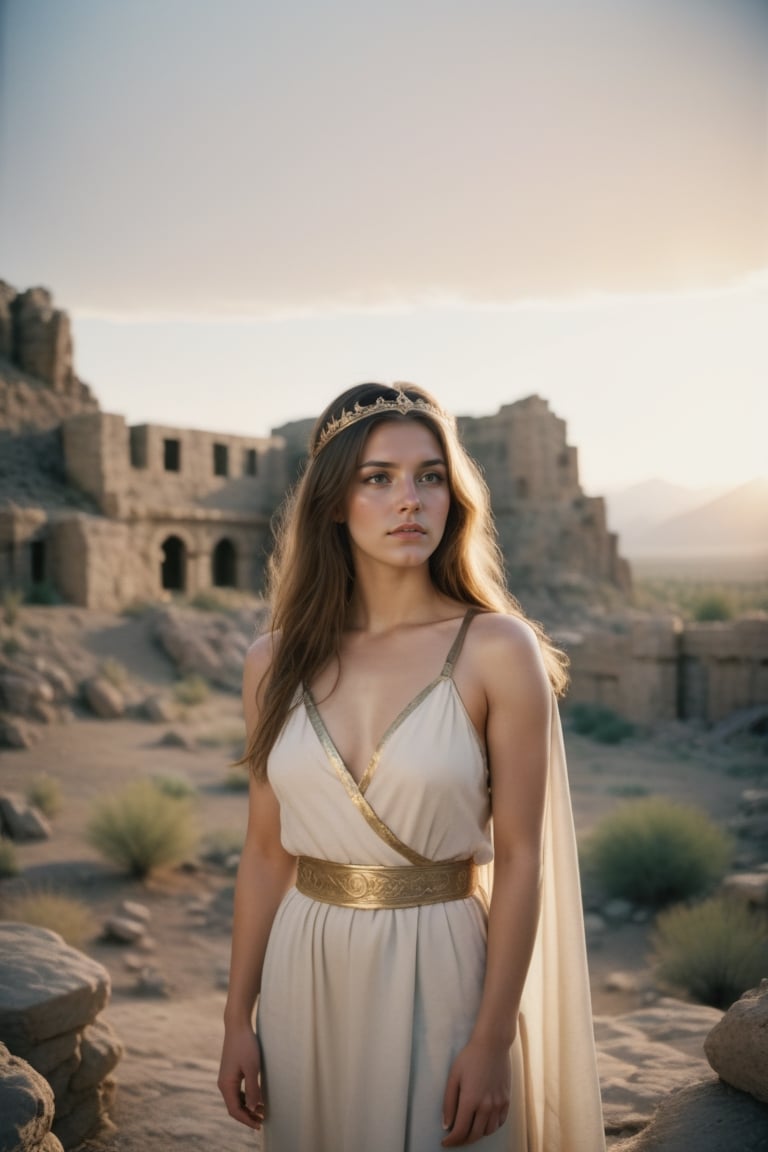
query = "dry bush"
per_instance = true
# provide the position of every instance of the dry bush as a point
(143, 829)
(191, 690)
(714, 951)
(45, 793)
(9, 863)
(654, 852)
(71, 918)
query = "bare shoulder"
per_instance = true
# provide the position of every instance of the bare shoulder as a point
(258, 660)
(259, 655)
(506, 653)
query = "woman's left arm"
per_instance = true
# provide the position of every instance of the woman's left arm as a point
(520, 701)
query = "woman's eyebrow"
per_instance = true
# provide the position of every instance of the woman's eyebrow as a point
(391, 464)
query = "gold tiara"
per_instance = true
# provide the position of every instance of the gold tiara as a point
(403, 405)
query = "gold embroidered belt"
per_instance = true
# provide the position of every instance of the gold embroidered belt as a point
(407, 886)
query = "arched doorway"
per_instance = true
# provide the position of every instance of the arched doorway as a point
(174, 565)
(224, 565)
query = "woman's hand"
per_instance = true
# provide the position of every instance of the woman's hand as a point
(240, 1076)
(476, 1100)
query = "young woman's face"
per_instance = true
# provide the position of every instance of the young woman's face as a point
(398, 502)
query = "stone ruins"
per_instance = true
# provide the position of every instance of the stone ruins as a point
(109, 515)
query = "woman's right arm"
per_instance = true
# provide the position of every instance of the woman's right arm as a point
(265, 873)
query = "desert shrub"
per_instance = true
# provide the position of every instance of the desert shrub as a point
(191, 690)
(713, 606)
(654, 852)
(714, 951)
(142, 829)
(9, 864)
(43, 593)
(71, 918)
(12, 601)
(45, 793)
(215, 600)
(177, 787)
(113, 671)
(601, 724)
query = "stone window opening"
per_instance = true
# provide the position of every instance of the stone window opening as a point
(224, 565)
(38, 562)
(138, 447)
(250, 462)
(221, 460)
(172, 455)
(173, 569)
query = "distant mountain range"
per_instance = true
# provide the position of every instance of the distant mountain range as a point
(656, 518)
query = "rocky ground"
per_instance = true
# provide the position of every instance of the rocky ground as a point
(168, 984)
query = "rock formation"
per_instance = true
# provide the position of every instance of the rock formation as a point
(50, 999)
(26, 1107)
(719, 1116)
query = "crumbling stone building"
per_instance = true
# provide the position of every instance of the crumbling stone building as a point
(110, 514)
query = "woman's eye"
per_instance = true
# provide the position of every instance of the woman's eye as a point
(376, 478)
(432, 478)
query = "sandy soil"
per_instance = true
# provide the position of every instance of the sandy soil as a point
(167, 1077)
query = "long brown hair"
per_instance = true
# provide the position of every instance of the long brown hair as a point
(311, 575)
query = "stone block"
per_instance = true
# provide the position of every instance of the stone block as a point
(656, 639)
(50, 1053)
(83, 1120)
(100, 1052)
(46, 987)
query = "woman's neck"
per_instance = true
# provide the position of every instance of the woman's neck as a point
(383, 600)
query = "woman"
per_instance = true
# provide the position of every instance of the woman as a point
(399, 700)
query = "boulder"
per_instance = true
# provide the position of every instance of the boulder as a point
(46, 987)
(737, 1047)
(160, 710)
(23, 691)
(103, 698)
(21, 821)
(751, 887)
(124, 929)
(26, 1107)
(16, 733)
(50, 996)
(704, 1117)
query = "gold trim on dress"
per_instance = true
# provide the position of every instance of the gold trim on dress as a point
(347, 779)
(406, 886)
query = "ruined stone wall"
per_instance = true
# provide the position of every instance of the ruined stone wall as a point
(38, 385)
(550, 532)
(20, 529)
(524, 454)
(659, 670)
(105, 564)
(138, 470)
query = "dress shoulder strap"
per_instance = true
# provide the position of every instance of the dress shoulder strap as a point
(458, 644)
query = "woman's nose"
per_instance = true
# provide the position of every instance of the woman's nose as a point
(410, 497)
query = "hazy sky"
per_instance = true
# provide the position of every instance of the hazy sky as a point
(247, 206)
